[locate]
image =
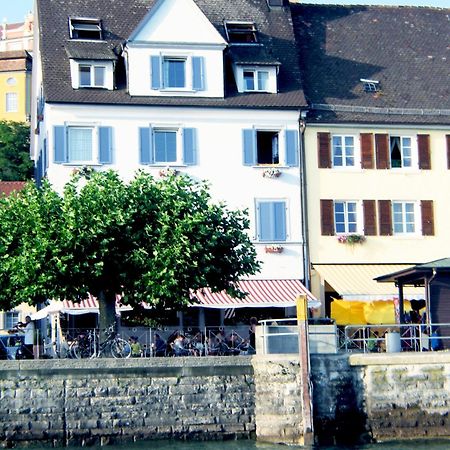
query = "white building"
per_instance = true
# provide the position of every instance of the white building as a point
(210, 88)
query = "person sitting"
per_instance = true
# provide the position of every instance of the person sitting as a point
(178, 345)
(159, 346)
(136, 349)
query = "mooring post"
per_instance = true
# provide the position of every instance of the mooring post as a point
(305, 379)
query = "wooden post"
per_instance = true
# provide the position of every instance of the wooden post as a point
(303, 346)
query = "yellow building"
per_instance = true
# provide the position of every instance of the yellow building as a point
(15, 85)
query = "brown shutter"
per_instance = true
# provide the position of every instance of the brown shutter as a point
(327, 217)
(366, 150)
(382, 151)
(448, 151)
(427, 217)
(370, 218)
(423, 144)
(324, 150)
(385, 217)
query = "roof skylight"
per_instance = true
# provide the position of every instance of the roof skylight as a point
(241, 32)
(370, 85)
(85, 28)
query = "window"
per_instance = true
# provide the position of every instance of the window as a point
(343, 151)
(165, 146)
(80, 144)
(11, 81)
(400, 151)
(162, 146)
(11, 102)
(404, 217)
(92, 76)
(267, 147)
(345, 217)
(85, 29)
(370, 85)
(11, 319)
(271, 221)
(174, 72)
(256, 80)
(241, 32)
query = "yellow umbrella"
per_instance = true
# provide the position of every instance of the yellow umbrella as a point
(348, 312)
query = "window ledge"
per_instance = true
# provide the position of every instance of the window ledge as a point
(87, 164)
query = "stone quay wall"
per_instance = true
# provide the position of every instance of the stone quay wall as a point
(86, 402)
(356, 398)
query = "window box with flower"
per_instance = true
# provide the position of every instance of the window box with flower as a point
(351, 239)
(274, 248)
(271, 172)
(167, 172)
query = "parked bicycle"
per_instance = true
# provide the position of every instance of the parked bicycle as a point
(88, 345)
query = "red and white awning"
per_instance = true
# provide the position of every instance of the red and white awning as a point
(260, 294)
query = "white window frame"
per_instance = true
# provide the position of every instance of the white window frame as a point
(92, 73)
(246, 28)
(94, 144)
(10, 319)
(414, 162)
(76, 23)
(404, 219)
(166, 59)
(179, 146)
(358, 212)
(257, 87)
(11, 102)
(344, 147)
(278, 134)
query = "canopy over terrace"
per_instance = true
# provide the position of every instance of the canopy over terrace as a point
(280, 293)
(434, 276)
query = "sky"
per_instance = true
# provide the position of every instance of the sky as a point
(15, 10)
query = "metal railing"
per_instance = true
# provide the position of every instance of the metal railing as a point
(394, 338)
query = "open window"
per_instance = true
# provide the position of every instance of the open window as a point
(400, 151)
(85, 29)
(267, 149)
(241, 32)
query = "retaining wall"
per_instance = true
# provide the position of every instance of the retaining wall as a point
(357, 398)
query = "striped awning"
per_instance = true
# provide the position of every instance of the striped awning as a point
(260, 294)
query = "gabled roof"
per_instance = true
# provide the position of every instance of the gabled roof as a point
(404, 48)
(121, 17)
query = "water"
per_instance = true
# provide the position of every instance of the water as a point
(252, 445)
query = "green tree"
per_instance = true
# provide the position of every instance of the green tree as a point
(150, 240)
(15, 162)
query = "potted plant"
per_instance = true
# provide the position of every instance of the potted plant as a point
(271, 172)
(351, 239)
(274, 248)
(168, 171)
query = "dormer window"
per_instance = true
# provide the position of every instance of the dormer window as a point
(256, 80)
(370, 85)
(174, 72)
(92, 75)
(85, 29)
(241, 32)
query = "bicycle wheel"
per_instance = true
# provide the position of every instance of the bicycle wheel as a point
(120, 348)
(81, 351)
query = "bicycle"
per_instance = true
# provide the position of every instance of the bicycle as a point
(91, 347)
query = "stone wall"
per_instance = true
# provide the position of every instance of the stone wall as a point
(404, 396)
(357, 398)
(101, 401)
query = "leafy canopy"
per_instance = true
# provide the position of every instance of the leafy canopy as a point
(151, 240)
(15, 162)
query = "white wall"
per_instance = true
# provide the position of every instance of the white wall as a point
(220, 160)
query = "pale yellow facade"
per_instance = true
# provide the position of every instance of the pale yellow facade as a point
(354, 184)
(15, 89)
(20, 312)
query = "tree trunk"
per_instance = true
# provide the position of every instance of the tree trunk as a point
(107, 310)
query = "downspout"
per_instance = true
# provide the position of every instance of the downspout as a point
(304, 201)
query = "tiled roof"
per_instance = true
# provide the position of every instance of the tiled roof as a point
(7, 187)
(15, 60)
(90, 50)
(406, 49)
(119, 20)
(252, 55)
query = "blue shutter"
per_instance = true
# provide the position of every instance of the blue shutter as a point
(198, 81)
(155, 62)
(292, 148)
(279, 221)
(145, 145)
(105, 145)
(59, 138)
(264, 222)
(249, 143)
(189, 146)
